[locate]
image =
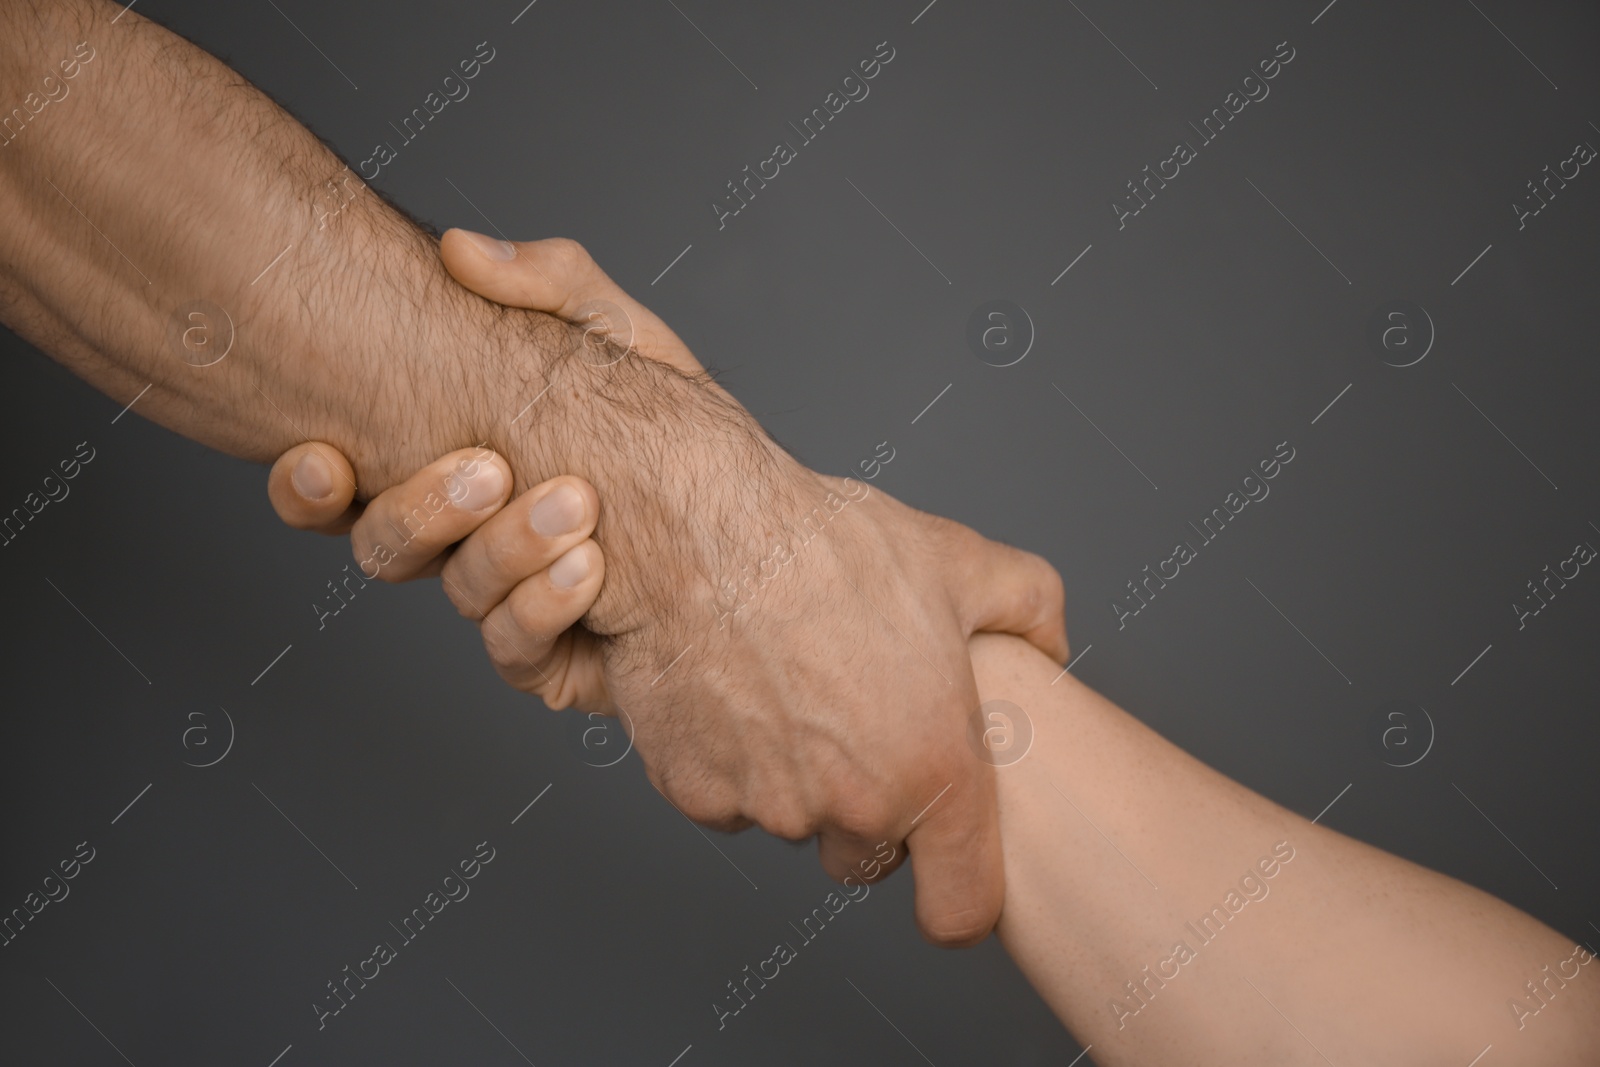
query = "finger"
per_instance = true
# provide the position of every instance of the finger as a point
(701, 801)
(529, 634)
(312, 487)
(959, 868)
(558, 276)
(406, 529)
(527, 536)
(845, 856)
(1006, 590)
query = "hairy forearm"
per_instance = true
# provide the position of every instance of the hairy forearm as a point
(156, 179)
(160, 179)
(1120, 848)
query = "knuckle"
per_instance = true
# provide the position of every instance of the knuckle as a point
(863, 814)
(529, 612)
(1047, 590)
(706, 806)
(725, 820)
(548, 680)
(394, 565)
(373, 557)
(505, 552)
(503, 650)
(457, 596)
(788, 821)
(411, 522)
(568, 255)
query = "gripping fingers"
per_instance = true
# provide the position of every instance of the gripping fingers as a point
(959, 868)
(559, 277)
(527, 536)
(1007, 590)
(405, 530)
(530, 635)
(848, 856)
(312, 487)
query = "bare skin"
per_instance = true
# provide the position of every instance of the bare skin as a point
(1374, 959)
(809, 682)
(529, 626)
(1166, 914)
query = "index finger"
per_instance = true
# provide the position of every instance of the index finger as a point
(407, 530)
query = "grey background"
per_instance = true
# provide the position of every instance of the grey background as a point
(1200, 336)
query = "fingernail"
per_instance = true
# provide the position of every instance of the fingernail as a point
(479, 489)
(312, 477)
(499, 251)
(571, 568)
(557, 512)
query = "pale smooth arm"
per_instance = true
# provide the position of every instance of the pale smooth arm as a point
(1139, 904)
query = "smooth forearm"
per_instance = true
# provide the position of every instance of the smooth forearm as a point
(1120, 849)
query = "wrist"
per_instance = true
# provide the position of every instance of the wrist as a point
(690, 485)
(427, 369)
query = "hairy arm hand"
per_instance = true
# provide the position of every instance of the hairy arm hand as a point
(1167, 914)
(791, 648)
(162, 212)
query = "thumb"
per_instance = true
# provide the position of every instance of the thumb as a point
(958, 864)
(1007, 590)
(559, 277)
(312, 487)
